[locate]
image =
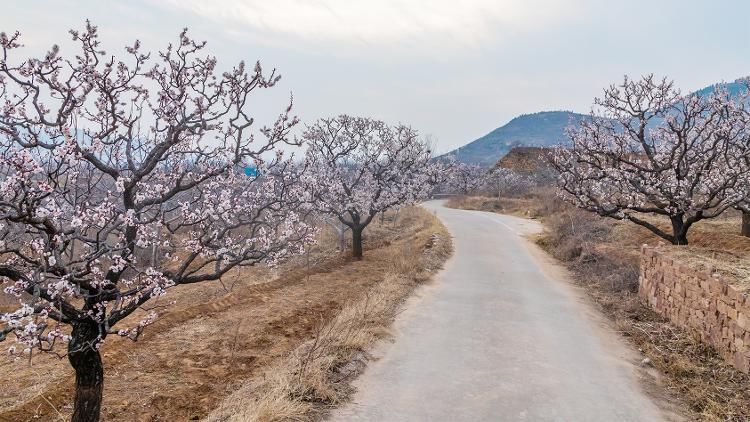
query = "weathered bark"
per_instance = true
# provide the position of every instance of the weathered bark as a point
(357, 242)
(342, 238)
(745, 231)
(679, 231)
(87, 362)
(680, 239)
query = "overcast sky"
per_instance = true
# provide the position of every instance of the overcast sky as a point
(452, 69)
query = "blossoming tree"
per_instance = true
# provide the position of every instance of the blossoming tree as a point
(503, 181)
(101, 160)
(739, 152)
(358, 167)
(468, 178)
(648, 150)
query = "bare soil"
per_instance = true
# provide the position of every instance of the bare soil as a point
(212, 341)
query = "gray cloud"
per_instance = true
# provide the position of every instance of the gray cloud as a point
(453, 69)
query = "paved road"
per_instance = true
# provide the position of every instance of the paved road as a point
(499, 337)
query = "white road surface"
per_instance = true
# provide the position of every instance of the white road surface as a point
(500, 336)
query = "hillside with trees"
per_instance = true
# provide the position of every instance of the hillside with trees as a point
(541, 129)
(121, 180)
(545, 129)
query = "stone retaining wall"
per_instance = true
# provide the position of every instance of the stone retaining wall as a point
(705, 304)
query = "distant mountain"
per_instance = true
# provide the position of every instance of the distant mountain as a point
(541, 129)
(735, 88)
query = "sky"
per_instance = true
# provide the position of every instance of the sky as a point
(454, 70)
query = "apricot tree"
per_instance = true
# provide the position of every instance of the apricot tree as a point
(650, 152)
(357, 168)
(103, 158)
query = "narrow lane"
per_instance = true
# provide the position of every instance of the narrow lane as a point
(499, 337)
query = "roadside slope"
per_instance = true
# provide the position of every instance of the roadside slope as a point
(211, 342)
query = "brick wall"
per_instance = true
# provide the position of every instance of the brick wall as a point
(705, 304)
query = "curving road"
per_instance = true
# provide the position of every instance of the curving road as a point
(500, 336)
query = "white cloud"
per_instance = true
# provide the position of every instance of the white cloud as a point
(429, 24)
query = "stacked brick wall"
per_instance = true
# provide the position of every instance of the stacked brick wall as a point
(705, 304)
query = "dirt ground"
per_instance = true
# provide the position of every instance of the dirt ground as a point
(211, 340)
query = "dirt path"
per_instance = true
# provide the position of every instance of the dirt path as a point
(501, 336)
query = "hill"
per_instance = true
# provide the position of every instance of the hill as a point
(529, 160)
(541, 129)
(734, 88)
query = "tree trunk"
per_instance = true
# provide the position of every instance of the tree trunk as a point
(680, 239)
(745, 223)
(679, 231)
(342, 238)
(357, 242)
(87, 362)
(154, 253)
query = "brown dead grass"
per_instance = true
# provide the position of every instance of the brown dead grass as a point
(604, 255)
(520, 207)
(317, 375)
(714, 243)
(216, 336)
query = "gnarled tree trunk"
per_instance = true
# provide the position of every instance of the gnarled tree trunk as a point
(357, 242)
(84, 357)
(745, 231)
(679, 231)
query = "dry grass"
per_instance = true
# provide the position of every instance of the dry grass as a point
(317, 375)
(604, 256)
(218, 336)
(527, 207)
(733, 265)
